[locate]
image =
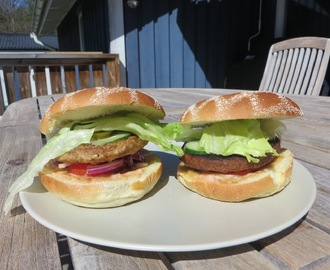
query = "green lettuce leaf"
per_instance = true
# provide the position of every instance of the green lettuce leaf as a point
(190, 133)
(160, 134)
(74, 134)
(272, 128)
(63, 141)
(242, 137)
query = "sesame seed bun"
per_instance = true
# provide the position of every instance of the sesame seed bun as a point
(242, 105)
(238, 186)
(235, 188)
(97, 102)
(102, 191)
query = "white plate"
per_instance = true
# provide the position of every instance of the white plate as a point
(172, 218)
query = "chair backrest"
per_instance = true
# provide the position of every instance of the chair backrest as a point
(296, 66)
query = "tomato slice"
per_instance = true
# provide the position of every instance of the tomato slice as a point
(111, 167)
(98, 169)
(78, 169)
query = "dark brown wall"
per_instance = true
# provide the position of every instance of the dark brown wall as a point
(95, 25)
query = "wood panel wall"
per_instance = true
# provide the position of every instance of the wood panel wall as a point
(195, 43)
(95, 27)
(186, 43)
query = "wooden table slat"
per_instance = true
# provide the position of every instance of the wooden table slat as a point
(246, 257)
(111, 258)
(299, 252)
(25, 244)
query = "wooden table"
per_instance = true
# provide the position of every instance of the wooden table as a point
(25, 244)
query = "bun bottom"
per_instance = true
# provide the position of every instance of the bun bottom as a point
(235, 188)
(103, 191)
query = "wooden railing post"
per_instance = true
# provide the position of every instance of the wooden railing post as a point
(35, 74)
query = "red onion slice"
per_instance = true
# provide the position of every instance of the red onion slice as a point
(138, 157)
(106, 167)
(112, 167)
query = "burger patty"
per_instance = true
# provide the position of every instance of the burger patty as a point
(94, 154)
(228, 164)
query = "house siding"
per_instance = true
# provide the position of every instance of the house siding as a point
(95, 27)
(186, 43)
(95, 18)
(308, 18)
(68, 32)
(192, 43)
(169, 43)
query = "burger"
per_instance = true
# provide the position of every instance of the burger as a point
(95, 156)
(232, 146)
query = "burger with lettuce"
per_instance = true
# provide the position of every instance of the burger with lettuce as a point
(232, 146)
(95, 155)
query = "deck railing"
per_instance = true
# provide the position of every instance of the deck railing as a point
(24, 75)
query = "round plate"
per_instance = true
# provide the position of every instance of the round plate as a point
(173, 218)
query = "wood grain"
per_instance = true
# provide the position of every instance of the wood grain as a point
(111, 258)
(232, 258)
(25, 244)
(299, 252)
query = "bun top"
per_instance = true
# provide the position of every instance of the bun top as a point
(97, 102)
(242, 105)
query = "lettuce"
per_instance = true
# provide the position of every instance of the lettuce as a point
(63, 141)
(272, 128)
(246, 137)
(190, 133)
(74, 134)
(241, 137)
(157, 133)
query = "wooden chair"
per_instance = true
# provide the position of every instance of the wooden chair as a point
(296, 66)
